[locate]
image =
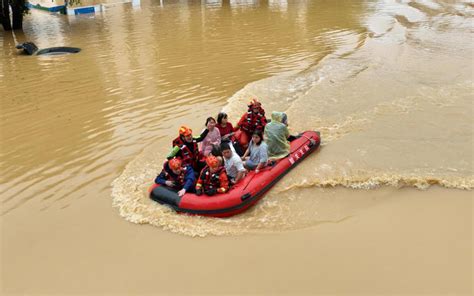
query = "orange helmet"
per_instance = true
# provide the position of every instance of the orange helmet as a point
(185, 131)
(254, 103)
(212, 161)
(174, 163)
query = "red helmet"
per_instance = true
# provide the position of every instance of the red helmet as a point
(174, 163)
(185, 131)
(212, 161)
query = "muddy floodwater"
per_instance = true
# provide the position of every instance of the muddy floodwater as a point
(384, 207)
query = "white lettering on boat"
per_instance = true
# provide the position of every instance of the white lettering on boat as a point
(298, 154)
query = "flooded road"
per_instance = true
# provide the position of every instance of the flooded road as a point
(387, 83)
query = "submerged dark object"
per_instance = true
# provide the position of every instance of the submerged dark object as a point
(31, 49)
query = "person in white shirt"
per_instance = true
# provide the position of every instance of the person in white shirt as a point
(233, 164)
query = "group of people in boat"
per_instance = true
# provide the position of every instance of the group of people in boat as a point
(223, 154)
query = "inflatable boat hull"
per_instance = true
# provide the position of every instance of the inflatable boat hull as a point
(244, 194)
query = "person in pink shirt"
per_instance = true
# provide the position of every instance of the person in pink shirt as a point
(213, 137)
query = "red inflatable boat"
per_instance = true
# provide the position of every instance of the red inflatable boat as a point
(245, 193)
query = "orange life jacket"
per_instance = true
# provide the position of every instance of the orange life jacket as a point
(217, 180)
(188, 156)
(177, 179)
(251, 121)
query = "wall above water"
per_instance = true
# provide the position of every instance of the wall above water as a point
(83, 7)
(48, 5)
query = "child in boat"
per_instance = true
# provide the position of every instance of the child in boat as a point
(177, 176)
(213, 137)
(213, 178)
(186, 148)
(251, 121)
(256, 155)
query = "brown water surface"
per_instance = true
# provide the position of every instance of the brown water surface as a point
(388, 84)
(70, 123)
